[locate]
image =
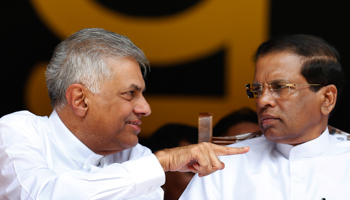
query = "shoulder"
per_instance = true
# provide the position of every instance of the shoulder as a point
(22, 124)
(259, 147)
(339, 146)
(256, 144)
(21, 117)
(257, 141)
(237, 168)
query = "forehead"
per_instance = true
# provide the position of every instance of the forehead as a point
(278, 66)
(127, 73)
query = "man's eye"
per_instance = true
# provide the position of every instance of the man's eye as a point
(130, 93)
(257, 88)
(278, 86)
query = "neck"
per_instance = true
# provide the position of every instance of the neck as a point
(72, 121)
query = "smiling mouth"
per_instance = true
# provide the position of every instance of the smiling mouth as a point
(135, 126)
(133, 123)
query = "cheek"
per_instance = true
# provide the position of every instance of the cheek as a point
(290, 112)
(116, 111)
(299, 110)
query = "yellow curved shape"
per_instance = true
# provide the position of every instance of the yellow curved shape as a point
(37, 98)
(238, 26)
(188, 35)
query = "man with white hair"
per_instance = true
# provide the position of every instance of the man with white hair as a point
(88, 147)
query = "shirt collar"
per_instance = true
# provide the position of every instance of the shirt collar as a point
(307, 149)
(70, 144)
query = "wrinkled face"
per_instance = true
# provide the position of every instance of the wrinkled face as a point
(114, 114)
(291, 119)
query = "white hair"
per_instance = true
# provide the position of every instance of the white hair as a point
(83, 58)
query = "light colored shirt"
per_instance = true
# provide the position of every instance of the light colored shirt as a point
(317, 169)
(41, 159)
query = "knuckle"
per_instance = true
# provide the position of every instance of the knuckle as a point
(201, 169)
(210, 168)
(206, 144)
(228, 149)
(195, 149)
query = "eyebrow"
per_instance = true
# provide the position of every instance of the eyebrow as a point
(275, 81)
(136, 87)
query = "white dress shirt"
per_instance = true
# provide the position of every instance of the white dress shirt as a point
(41, 159)
(315, 170)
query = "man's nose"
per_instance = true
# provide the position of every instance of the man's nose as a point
(142, 107)
(266, 98)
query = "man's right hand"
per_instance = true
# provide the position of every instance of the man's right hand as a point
(198, 158)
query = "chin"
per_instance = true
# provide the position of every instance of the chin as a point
(133, 142)
(279, 139)
(271, 135)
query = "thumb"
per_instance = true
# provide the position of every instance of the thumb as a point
(225, 150)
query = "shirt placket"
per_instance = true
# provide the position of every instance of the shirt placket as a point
(298, 177)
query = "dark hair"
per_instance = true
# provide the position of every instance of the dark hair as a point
(170, 135)
(320, 60)
(241, 115)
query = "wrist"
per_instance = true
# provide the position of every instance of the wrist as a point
(163, 159)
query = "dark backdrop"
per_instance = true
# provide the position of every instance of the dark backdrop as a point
(26, 41)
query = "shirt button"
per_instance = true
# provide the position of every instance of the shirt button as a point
(298, 180)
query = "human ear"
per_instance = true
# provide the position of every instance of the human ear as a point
(76, 98)
(330, 93)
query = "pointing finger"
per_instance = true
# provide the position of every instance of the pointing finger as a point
(225, 150)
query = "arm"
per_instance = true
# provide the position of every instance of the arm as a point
(199, 158)
(29, 172)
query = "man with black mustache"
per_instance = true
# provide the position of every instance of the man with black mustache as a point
(296, 85)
